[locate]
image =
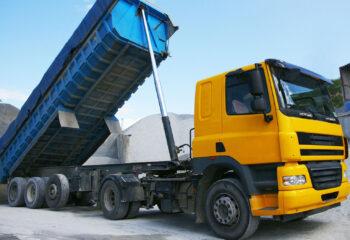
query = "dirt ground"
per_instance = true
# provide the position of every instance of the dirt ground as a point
(88, 223)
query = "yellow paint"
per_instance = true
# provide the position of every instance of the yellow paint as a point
(208, 127)
(239, 133)
(250, 140)
(294, 199)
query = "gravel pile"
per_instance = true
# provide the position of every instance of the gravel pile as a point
(144, 141)
(147, 137)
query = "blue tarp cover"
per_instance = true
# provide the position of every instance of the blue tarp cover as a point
(68, 51)
(93, 17)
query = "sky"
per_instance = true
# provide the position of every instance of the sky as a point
(214, 36)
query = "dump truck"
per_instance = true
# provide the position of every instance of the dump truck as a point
(266, 140)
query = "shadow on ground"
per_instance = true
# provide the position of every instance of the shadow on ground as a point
(182, 222)
(268, 228)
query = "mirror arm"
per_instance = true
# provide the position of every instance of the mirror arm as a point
(268, 118)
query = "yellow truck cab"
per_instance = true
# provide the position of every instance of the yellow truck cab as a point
(268, 132)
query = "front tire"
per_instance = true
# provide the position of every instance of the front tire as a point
(112, 206)
(228, 210)
(34, 195)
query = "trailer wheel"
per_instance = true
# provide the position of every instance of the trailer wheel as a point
(111, 204)
(133, 210)
(15, 192)
(57, 191)
(34, 195)
(228, 210)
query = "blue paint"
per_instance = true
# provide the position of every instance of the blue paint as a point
(78, 81)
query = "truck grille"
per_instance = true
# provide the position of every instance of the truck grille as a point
(319, 139)
(314, 152)
(325, 175)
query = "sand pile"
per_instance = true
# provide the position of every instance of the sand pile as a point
(147, 137)
(144, 141)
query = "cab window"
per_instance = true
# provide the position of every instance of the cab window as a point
(238, 97)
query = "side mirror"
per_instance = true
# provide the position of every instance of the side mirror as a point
(255, 82)
(259, 105)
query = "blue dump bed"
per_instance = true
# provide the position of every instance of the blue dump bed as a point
(71, 111)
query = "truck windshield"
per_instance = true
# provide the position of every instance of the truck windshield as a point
(301, 95)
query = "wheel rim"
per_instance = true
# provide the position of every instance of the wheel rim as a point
(226, 210)
(109, 199)
(53, 191)
(31, 192)
(13, 192)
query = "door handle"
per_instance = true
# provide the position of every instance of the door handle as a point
(220, 147)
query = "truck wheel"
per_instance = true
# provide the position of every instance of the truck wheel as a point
(34, 195)
(228, 210)
(57, 191)
(133, 210)
(15, 192)
(111, 204)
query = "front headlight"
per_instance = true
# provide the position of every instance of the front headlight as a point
(345, 174)
(294, 180)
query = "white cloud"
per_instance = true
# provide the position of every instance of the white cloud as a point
(89, 4)
(7, 95)
(87, 7)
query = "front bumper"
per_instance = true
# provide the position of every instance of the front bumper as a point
(296, 201)
(307, 199)
(298, 198)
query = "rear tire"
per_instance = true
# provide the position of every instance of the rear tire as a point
(34, 195)
(228, 210)
(57, 191)
(110, 199)
(133, 210)
(15, 192)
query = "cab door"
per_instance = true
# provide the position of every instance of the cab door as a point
(246, 136)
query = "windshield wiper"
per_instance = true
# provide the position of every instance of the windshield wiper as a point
(302, 113)
(307, 115)
(331, 119)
